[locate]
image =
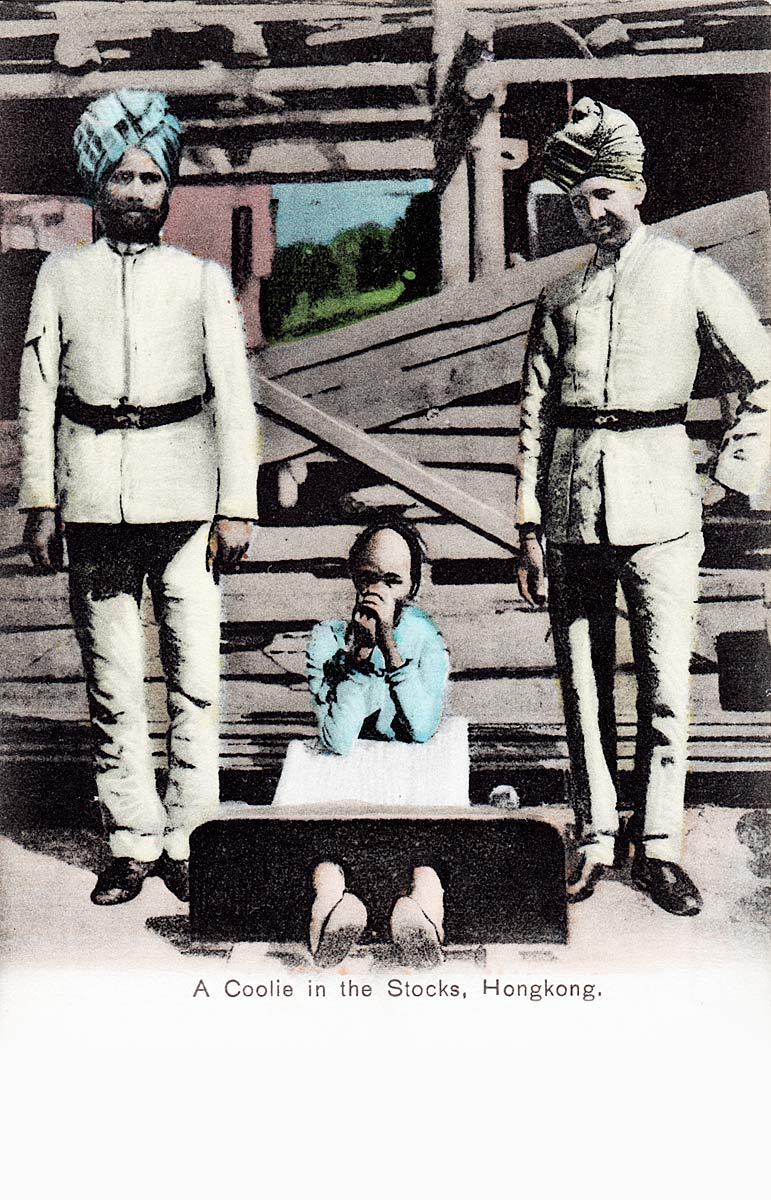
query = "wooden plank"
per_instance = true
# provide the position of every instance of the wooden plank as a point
(497, 487)
(498, 636)
(457, 312)
(40, 654)
(716, 224)
(467, 373)
(400, 391)
(417, 114)
(747, 259)
(505, 13)
(417, 480)
(301, 543)
(305, 544)
(40, 602)
(55, 698)
(303, 597)
(105, 23)
(483, 81)
(496, 700)
(450, 448)
(215, 79)
(269, 544)
(306, 157)
(426, 344)
(457, 418)
(524, 746)
(380, 386)
(538, 701)
(513, 642)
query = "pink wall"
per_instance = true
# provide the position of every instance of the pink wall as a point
(43, 222)
(200, 220)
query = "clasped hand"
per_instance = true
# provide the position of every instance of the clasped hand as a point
(372, 621)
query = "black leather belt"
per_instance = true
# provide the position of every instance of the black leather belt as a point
(571, 416)
(102, 417)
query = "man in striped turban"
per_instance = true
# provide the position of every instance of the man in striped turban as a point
(125, 129)
(608, 477)
(116, 122)
(139, 435)
(597, 141)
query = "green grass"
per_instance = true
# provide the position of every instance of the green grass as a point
(335, 311)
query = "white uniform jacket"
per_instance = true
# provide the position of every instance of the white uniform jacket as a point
(626, 336)
(147, 326)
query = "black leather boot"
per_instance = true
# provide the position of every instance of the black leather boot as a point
(121, 881)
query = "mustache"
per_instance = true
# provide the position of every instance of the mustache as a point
(132, 208)
(608, 221)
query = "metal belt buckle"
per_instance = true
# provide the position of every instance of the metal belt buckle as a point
(128, 418)
(606, 420)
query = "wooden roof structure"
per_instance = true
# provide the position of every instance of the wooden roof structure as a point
(306, 89)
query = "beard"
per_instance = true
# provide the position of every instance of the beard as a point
(129, 221)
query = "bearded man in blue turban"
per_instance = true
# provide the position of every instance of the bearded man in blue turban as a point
(607, 477)
(140, 447)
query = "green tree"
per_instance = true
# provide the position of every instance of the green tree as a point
(416, 248)
(289, 278)
(323, 273)
(375, 266)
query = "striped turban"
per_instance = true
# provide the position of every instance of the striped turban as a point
(116, 122)
(597, 141)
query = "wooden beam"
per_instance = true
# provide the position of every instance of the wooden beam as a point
(308, 157)
(518, 12)
(671, 45)
(482, 81)
(215, 79)
(346, 30)
(134, 19)
(418, 114)
(300, 414)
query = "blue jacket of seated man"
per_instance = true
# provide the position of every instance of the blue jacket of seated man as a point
(364, 699)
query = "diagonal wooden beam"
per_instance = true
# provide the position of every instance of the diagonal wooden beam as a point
(282, 404)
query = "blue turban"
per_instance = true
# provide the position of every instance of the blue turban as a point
(120, 120)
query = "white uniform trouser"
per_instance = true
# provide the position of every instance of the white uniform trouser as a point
(660, 583)
(108, 565)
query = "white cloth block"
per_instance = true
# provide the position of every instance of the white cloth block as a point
(431, 774)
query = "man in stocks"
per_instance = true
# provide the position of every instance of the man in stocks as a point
(607, 475)
(140, 437)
